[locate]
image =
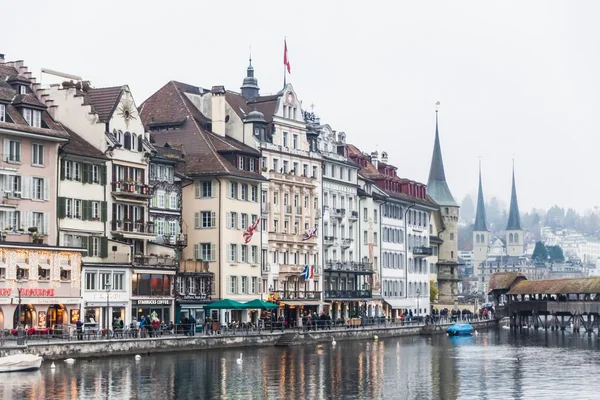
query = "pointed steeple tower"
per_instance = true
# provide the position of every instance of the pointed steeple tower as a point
(250, 87)
(480, 218)
(514, 218)
(437, 187)
(514, 234)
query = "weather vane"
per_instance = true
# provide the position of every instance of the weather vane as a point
(437, 106)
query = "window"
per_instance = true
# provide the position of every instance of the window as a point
(276, 165)
(205, 219)
(254, 193)
(244, 284)
(232, 220)
(304, 170)
(38, 188)
(286, 166)
(275, 197)
(365, 237)
(95, 174)
(252, 164)
(233, 284)
(285, 140)
(254, 285)
(233, 190)
(90, 280)
(205, 251)
(244, 221)
(254, 255)
(204, 189)
(118, 279)
(244, 254)
(173, 201)
(95, 210)
(295, 168)
(264, 162)
(232, 254)
(375, 238)
(13, 148)
(95, 247)
(452, 236)
(295, 141)
(103, 280)
(244, 191)
(241, 163)
(68, 208)
(2, 113)
(314, 171)
(37, 154)
(375, 216)
(76, 170)
(33, 117)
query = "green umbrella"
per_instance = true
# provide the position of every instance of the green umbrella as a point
(257, 303)
(226, 304)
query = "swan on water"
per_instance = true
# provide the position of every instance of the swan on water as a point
(375, 337)
(138, 357)
(239, 360)
(333, 342)
(53, 366)
(70, 360)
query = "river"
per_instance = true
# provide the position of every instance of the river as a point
(552, 365)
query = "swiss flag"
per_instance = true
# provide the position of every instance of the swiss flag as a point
(286, 60)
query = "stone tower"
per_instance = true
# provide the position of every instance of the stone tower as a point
(438, 190)
(514, 234)
(481, 235)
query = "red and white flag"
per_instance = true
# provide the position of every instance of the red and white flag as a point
(250, 231)
(286, 59)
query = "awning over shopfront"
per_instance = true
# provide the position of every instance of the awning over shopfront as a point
(401, 303)
(259, 304)
(226, 304)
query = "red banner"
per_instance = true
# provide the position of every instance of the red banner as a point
(5, 292)
(37, 292)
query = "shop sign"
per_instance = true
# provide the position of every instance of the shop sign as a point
(111, 296)
(51, 300)
(25, 292)
(5, 292)
(151, 302)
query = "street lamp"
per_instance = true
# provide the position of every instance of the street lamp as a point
(107, 286)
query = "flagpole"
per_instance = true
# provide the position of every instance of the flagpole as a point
(284, 58)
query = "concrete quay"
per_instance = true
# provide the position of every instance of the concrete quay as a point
(120, 347)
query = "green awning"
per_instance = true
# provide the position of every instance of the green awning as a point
(259, 304)
(226, 304)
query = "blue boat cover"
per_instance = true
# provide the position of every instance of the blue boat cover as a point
(460, 329)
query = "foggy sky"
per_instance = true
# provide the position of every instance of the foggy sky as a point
(515, 79)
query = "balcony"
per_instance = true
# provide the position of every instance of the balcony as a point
(265, 208)
(131, 189)
(266, 269)
(348, 266)
(132, 230)
(347, 294)
(337, 212)
(328, 241)
(194, 266)
(299, 210)
(154, 261)
(318, 213)
(9, 201)
(422, 251)
(347, 242)
(353, 216)
(171, 240)
(283, 295)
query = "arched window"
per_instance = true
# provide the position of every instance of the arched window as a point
(133, 141)
(119, 137)
(516, 238)
(140, 143)
(127, 141)
(510, 238)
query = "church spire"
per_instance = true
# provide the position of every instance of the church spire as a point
(480, 218)
(250, 87)
(514, 218)
(437, 187)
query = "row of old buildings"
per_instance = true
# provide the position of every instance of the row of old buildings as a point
(114, 209)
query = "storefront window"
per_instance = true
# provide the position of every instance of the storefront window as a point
(151, 285)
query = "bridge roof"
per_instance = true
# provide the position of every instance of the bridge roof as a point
(503, 280)
(587, 285)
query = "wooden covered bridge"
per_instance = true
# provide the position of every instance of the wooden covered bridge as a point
(547, 303)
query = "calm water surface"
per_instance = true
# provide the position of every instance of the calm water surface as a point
(556, 365)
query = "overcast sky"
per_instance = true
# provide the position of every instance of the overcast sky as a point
(515, 79)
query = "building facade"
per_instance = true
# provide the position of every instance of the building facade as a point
(28, 169)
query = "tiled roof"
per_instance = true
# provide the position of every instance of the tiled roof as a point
(370, 172)
(504, 280)
(202, 148)
(265, 104)
(437, 186)
(589, 285)
(81, 147)
(103, 100)
(14, 101)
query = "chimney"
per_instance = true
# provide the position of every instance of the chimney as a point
(218, 110)
(375, 159)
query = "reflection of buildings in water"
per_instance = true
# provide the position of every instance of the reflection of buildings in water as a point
(444, 379)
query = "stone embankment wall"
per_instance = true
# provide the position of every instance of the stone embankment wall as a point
(103, 348)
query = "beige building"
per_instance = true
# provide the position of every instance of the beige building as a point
(223, 199)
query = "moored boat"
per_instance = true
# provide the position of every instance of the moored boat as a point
(460, 330)
(20, 362)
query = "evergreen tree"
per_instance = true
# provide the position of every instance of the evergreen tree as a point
(540, 253)
(467, 209)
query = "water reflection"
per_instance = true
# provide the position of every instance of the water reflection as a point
(478, 367)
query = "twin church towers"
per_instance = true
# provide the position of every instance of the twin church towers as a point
(513, 243)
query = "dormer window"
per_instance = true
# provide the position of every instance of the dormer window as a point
(33, 117)
(2, 113)
(241, 163)
(22, 89)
